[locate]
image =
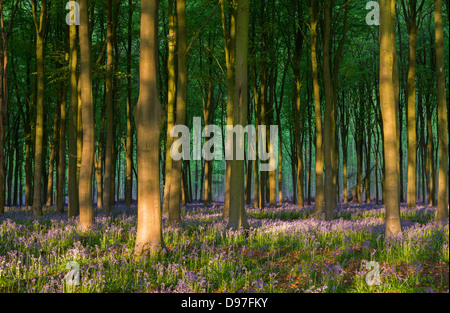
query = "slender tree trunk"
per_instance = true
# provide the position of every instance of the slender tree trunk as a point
(344, 139)
(60, 199)
(79, 132)
(298, 128)
(3, 111)
(230, 42)
(238, 217)
(377, 199)
(18, 165)
(317, 109)
(87, 157)
(171, 98)
(39, 126)
(11, 165)
(431, 164)
(73, 209)
(330, 124)
(442, 204)
(256, 187)
(369, 143)
(411, 117)
(109, 111)
(5, 31)
(359, 170)
(147, 115)
(175, 186)
(51, 166)
(129, 141)
(389, 115)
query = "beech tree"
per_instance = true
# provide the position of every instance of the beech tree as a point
(87, 116)
(389, 113)
(40, 26)
(442, 205)
(238, 217)
(147, 116)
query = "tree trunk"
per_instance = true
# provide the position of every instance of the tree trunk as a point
(147, 115)
(256, 172)
(389, 115)
(109, 111)
(442, 205)
(129, 141)
(3, 111)
(39, 127)
(431, 171)
(51, 166)
(238, 217)
(359, 170)
(60, 199)
(330, 124)
(171, 99)
(230, 42)
(369, 143)
(411, 116)
(87, 157)
(175, 186)
(318, 205)
(18, 165)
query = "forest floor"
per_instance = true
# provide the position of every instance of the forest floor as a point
(286, 250)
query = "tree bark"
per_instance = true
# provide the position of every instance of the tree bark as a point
(318, 205)
(230, 42)
(171, 99)
(442, 204)
(109, 110)
(410, 13)
(389, 115)
(51, 166)
(39, 127)
(87, 157)
(60, 199)
(129, 141)
(238, 217)
(175, 186)
(330, 124)
(147, 114)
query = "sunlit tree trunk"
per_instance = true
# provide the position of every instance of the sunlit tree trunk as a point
(442, 204)
(79, 131)
(411, 11)
(87, 114)
(329, 118)
(271, 177)
(129, 141)
(313, 9)
(171, 99)
(230, 38)
(175, 186)
(39, 126)
(109, 111)
(147, 116)
(389, 115)
(238, 217)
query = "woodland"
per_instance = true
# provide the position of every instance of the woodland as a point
(91, 199)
